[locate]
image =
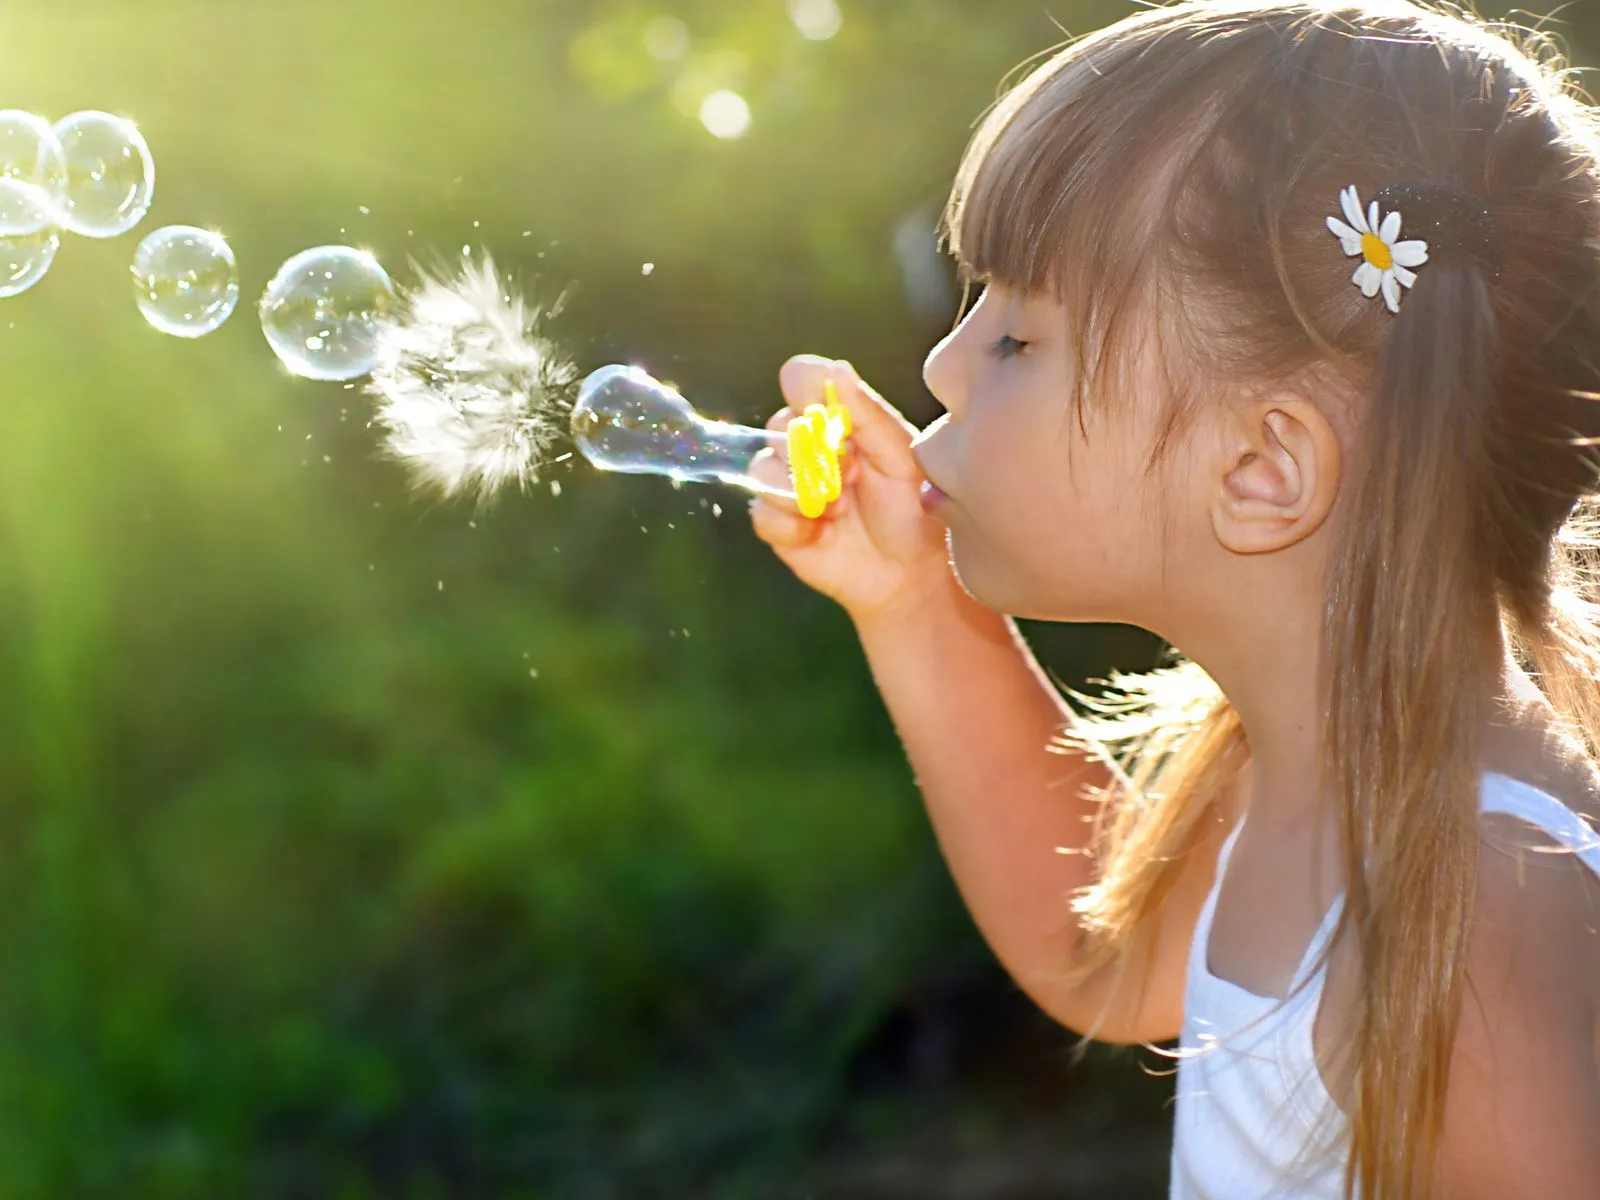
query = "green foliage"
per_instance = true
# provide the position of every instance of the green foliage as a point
(355, 845)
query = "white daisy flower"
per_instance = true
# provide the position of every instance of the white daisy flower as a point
(1386, 263)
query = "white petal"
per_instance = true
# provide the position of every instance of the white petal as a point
(1406, 278)
(1351, 204)
(1391, 292)
(1410, 254)
(1390, 228)
(1348, 238)
(1368, 278)
(1372, 216)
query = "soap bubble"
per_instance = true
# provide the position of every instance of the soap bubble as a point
(111, 177)
(24, 260)
(24, 209)
(323, 311)
(33, 173)
(185, 280)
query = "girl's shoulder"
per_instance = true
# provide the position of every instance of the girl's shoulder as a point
(1524, 1096)
(1562, 814)
(1540, 787)
(1539, 885)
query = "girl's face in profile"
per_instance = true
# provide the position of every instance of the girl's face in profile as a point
(1049, 518)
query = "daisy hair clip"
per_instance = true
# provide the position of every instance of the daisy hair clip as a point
(1451, 219)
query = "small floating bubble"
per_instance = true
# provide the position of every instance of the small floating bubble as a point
(24, 209)
(110, 176)
(25, 260)
(323, 311)
(33, 173)
(185, 280)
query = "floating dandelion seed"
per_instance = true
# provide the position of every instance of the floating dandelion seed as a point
(471, 394)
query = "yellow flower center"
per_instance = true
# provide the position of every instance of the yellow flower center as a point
(1377, 251)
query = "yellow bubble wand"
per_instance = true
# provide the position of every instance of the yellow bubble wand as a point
(815, 440)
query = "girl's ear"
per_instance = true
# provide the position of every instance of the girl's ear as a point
(1277, 477)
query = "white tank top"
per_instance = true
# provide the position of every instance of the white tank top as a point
(1252, 1110)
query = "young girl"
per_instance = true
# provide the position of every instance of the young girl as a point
(1355, 876)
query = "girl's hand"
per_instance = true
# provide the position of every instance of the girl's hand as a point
(874, 550)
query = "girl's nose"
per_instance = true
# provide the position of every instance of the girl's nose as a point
(943, 374)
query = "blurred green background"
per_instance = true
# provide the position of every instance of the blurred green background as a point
(356, 845)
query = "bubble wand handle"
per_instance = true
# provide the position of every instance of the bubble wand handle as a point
(625, 420)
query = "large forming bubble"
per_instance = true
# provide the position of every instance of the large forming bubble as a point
(33, 173)
(323, 311)
(111, 177)
(185, 280)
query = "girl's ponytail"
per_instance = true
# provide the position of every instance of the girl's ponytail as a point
(1410, 614)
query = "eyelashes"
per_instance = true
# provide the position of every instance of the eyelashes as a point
(1006, 347)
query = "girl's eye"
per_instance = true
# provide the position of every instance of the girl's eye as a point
(1007, 347)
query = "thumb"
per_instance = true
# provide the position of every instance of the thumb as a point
(880, 434)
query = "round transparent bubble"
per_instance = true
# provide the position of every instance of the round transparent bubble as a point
(625, 420)
(24, 209)
(33, 173)
(185, 280)
(323, 311)
(24, 260)
(111, 177)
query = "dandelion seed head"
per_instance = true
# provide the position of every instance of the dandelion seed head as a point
(470, 393)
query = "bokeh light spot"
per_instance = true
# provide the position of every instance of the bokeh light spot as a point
(818, 20)
(666, 38)
(725, 114)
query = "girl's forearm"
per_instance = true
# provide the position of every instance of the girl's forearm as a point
(977, 717)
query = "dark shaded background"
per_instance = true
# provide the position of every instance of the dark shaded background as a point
(354, 845)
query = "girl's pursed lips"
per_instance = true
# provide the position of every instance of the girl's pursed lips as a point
(931, 494)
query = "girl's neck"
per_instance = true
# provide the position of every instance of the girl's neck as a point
(1272, 673)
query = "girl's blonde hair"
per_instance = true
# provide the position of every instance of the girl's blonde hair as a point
(1195, 151)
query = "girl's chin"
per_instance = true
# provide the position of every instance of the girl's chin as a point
(976, 577)
(995, 587)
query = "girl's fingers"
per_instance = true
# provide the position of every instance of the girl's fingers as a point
(770, 468)
(880, 433)
(781, 528)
